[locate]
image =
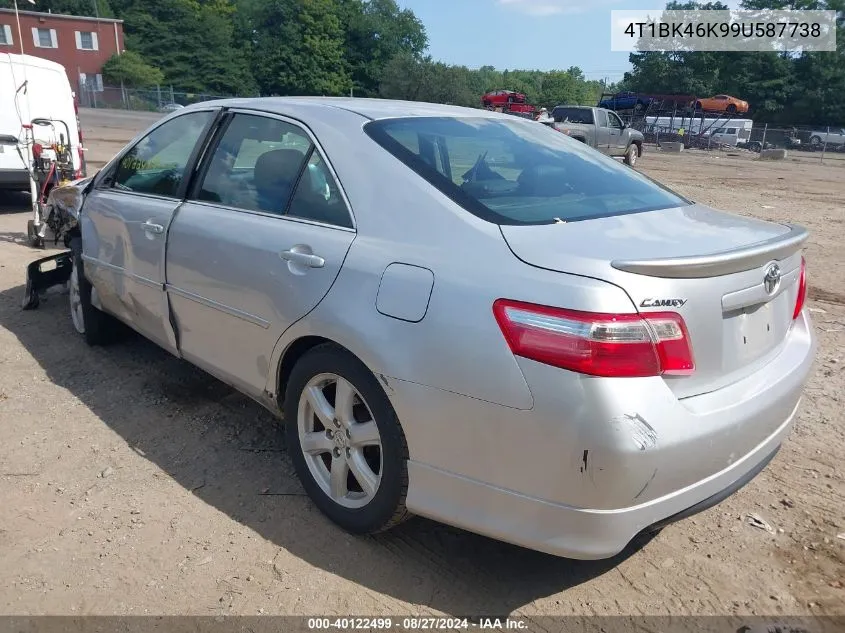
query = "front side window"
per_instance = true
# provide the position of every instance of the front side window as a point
(615, 121)
(156, 165)
(517, 172)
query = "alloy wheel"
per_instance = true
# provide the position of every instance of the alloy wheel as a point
(340, 440)
(76, 314)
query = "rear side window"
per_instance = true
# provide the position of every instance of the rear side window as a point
(573, 115)
(256, 164)
(269, 165)
(518, 172)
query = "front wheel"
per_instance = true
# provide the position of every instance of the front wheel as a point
(631, 155)
(32, 238)
(97, 327)
(345, 441)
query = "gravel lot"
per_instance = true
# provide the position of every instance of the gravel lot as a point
(132, 483)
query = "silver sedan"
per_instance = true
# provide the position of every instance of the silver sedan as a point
(461, 314)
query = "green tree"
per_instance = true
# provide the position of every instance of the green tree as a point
(191, 41)
(297, 46)
(375, 31)
(129, 69)
(100, 8)
(783, 88)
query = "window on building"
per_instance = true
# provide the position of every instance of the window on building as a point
(44, 38)
(6, 35)
(86, 41)
(91, 83)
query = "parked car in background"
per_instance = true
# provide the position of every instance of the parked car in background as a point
(502, 97)
(625, 101)
(722, 103)
(600, 129)
(833, 137)
(733, 132)
(481, 321)
(171, 107)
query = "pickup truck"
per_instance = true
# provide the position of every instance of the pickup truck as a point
(600, 129)
(835, 137)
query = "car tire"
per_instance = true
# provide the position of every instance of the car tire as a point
(631, 155)
(354, 444)
(32, 238)
(731, 109)
(97, 327)
(815, 141)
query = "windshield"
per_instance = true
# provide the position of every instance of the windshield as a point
(518, 172)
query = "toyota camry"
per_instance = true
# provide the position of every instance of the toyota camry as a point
(459, 314)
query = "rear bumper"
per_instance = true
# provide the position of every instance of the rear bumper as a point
(596, 461)
(566, 531)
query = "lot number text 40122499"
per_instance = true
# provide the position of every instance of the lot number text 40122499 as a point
(416, 624)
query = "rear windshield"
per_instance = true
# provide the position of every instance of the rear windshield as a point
(510, 171)
(573, 115)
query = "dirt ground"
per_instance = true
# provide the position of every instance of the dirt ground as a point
(132, 483)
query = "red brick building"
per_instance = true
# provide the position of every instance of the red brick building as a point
(81, 44)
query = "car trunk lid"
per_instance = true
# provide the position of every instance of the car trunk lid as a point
(706, 265)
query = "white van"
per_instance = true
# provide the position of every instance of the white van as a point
(34, 89)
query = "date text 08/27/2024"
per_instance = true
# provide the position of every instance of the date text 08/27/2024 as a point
(416, 624)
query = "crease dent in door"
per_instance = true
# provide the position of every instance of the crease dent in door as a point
(232, 294)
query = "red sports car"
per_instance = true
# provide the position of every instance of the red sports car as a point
(501, 97)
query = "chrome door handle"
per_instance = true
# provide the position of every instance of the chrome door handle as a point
(303, 259)
(149, 227)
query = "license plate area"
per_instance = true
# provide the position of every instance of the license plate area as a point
(752, 332)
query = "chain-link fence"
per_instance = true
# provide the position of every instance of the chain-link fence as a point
(159, 98)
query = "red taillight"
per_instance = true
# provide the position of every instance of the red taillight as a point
(802, 291)
(610, 345)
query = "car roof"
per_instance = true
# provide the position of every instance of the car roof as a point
(374, 109)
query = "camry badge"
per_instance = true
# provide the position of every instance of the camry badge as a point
(663, 303)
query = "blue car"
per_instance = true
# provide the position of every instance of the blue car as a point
(625, 101)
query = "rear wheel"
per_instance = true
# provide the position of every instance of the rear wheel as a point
(731, 109)
(345, 441)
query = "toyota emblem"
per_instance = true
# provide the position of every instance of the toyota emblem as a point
(771, 281)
